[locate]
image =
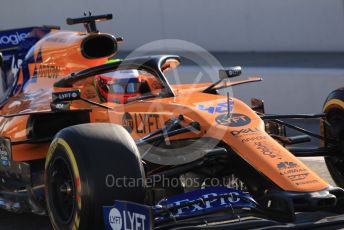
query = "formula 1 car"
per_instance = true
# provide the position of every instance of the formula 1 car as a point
(115, 146)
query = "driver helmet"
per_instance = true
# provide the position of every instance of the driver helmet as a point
(118, 86)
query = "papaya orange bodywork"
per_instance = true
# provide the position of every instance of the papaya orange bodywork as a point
(248, 140)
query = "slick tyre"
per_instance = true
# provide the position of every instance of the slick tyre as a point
(81, 167)
(333, 128)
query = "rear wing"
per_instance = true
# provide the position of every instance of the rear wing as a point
(23, 38)
(14, 45)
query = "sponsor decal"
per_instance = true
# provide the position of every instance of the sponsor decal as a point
(232, 199)
(306, 182)
(47, 71)
(250, 139)
(66, 95)
(294, 173)
(242, 132)
(140, 123)
(23, 38)
(126, 215)
(60, 106)
(115, 219)
(13, 39)
(127, 122)
(146, 123)
(221, 107)
(204, 201)
(288, 167)
(233, 120)
(296, 177)
(267, 150)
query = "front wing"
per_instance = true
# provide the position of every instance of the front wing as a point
(210, 208)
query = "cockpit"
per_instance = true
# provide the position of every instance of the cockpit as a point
(124, 81)
(121, 85)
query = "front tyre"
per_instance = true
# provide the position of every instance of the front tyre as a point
(333, 128)
(82, 166)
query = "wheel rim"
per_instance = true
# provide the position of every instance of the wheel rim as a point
(62, 190)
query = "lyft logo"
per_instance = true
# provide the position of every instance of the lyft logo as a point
(13, 39)
(115, 219)
(126, 220)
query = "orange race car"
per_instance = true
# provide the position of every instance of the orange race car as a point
(116, 146)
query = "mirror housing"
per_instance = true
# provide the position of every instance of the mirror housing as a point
(258, 105)
(230, 72)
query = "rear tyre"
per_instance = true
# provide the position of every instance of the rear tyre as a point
(333, 128)
(82, 165)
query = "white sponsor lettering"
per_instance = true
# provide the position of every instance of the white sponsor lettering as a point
(115, 219)
(209, 203)
(133, 220)
(13, 39)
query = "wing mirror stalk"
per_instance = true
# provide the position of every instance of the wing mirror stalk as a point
(223, 75)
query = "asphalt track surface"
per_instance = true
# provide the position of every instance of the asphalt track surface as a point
(10, 221)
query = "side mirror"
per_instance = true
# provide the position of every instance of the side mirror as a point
(230, 72)
(257, 105)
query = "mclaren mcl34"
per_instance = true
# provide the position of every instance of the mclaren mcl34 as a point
(112, 144)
